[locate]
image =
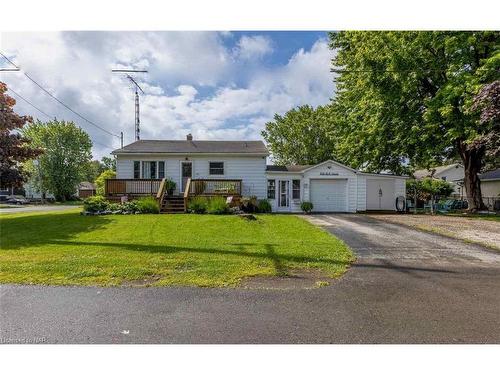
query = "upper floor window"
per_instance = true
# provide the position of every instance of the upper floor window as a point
(295, 189)
(137, 169)
(271, 189)
(216, 168)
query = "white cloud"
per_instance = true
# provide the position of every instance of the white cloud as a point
(253, 47)
(189, 88)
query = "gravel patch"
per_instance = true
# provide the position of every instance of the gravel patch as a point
(484, 232)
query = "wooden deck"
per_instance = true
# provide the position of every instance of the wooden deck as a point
(115, 189)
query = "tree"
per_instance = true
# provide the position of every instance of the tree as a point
(101, 180)
(108, 163)
(302, 136)
(65, 160)
(406, 97)
(93, 169)
(487, 102)
(428, 189)
(14, 148)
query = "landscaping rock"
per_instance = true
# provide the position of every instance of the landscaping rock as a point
(247, 216)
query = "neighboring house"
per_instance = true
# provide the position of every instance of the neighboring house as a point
(31, 192)
(453, 173)
(212, 167)
(490, 183)
(86, 189)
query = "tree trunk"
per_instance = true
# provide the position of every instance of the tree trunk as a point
(472, 160)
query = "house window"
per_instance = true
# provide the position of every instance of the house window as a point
(216, 168)
(296, 189)
(149, 169)
(271, 189)
(137, 169)
(161, 169)
(443, 178)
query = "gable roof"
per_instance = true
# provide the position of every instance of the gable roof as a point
(193, 147)
(490, 175)
(421, 173)
(85, 185)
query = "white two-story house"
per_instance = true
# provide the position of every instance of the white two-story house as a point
(240, 168)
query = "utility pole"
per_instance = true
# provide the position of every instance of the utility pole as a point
(121, 139)
(136, 101)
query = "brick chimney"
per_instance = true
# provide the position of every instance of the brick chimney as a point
(189, 137)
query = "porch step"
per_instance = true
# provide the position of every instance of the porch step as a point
(172, 204)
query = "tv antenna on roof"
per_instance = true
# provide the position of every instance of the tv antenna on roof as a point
(137, 119)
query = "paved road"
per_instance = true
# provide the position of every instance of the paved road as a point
(406, 287)
(36, 208)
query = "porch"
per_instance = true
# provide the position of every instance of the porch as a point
(115, 189)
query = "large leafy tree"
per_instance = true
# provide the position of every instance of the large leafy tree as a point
(303, 135)
(14, 148)
(406, 97)
(65, 161)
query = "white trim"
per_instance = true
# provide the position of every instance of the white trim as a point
(223, 167)
(383, 175)
(330, 161)
(180, 172)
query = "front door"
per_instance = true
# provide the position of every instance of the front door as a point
(283, 195)
(186, 173)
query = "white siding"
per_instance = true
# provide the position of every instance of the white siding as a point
(251, 169)
(400, 187)
(294, 203)
(332, 170)
(361, 196)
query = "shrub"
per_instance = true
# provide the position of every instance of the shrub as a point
(306, 207)
(100, 181)
(147, 205)
(114, 207)
(198, 205)
(130, 206)
(95, 204)
(264, 206)
(217, 205)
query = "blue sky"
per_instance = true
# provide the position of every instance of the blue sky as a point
(215, 85)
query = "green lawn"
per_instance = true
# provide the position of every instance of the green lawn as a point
(65, 248)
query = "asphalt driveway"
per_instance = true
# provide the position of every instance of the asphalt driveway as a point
(35, 208)
(406, 287)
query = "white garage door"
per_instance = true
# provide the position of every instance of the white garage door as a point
(380, 194)
(329, 195)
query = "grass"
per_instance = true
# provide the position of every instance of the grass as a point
(489, 217)
(65, 248)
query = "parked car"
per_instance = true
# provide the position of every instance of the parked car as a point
(17, 199)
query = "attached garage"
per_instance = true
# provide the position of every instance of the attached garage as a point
(331, 187)
(329, 195)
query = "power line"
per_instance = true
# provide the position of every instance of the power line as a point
(31, 104)
(59, 101)
(49, 116)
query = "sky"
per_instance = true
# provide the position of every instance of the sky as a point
(215, 85)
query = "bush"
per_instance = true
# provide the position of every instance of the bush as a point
(307, 207)
(198, 205)
(264, 206)
(113, 207)
(95, 204)
(148, 205)
(130, 206)
(218, 206)
(100, 181)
